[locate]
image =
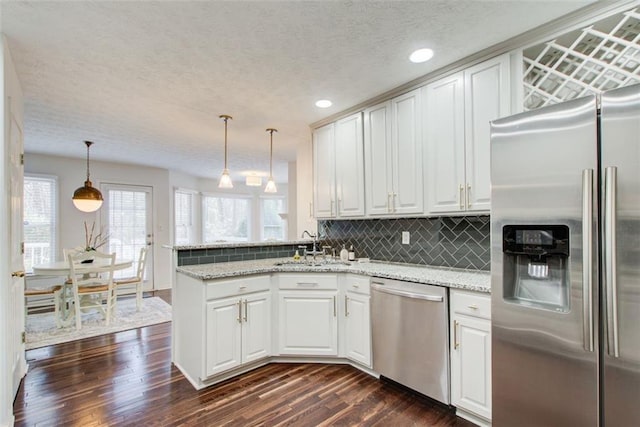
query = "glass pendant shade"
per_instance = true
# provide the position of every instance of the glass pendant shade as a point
(225, 179)
(87, 198)
(271, 185)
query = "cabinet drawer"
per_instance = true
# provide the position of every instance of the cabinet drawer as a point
(471, 303)
(357, 284)
(308, 281)
(226, 288)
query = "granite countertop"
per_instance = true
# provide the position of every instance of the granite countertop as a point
(240, 244)
(474, 280)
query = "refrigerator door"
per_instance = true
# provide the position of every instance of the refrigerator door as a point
(620, 130)
(544, 343)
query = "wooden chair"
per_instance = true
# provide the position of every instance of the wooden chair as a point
(53, 297)
(92, 284)
(136, 281)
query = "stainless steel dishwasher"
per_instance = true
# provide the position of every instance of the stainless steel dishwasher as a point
(411, 335)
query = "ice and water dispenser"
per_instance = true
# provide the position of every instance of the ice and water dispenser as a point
(536, 266)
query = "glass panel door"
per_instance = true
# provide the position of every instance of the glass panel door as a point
(129, 224)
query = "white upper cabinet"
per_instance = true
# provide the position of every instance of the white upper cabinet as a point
(324, 171)
(457, 115)
(338, 175)
(393, 156)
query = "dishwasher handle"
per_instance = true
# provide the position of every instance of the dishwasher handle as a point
(415, 295)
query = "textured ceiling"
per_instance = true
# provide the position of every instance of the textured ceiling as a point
(147, 80)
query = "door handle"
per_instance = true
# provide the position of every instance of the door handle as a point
(587, 258)
(456, 344)
(610, 261)
(468, 196)
(394, 201)
(239, 304)
(461, 196)
(346, 306)
(335, 310)
(19, 273)
(388, 202)
(246, 312)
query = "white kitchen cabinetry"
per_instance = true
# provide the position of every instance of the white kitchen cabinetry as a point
(338, 162)
(357, 320)
(393, 156)
(471, 355)
(458, 110)
(308, 314)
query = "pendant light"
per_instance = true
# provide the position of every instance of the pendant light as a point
(225, 179)
(87, 198)
(271, 185)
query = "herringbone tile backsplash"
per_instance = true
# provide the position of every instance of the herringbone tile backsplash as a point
(461, 242)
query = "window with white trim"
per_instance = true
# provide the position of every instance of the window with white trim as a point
(226, 219)
(39, 229)
(183, 217)
(273, 227)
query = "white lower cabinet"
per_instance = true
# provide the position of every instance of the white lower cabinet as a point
(308, 322)
(471, 355)
(238, 331)
(357, 320)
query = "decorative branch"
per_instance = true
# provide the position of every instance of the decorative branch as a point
(92, 243)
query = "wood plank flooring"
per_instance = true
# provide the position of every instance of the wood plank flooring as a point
(127, 379)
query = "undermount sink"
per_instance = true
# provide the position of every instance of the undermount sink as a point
(312, 263)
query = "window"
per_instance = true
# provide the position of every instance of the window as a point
(273, 227)
(183, 214)
(225, 219)
(39, 220)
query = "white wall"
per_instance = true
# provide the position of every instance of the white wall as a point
(71, 174)
(304, 188)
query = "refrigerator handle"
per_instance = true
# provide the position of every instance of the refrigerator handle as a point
(587, 258)
(610, 262)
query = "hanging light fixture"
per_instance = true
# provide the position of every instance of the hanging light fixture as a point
(271, 185)
(225, 179)
(87, 198)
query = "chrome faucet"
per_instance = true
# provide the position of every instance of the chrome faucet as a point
(315, 250)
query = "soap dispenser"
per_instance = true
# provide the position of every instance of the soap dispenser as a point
(351, 254)
(344, 254)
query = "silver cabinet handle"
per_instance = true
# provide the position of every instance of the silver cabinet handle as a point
(239, 304)
(331, 207)
(346, 306)
(473, 306)
(456, 344)
(246, 311)
(610, 275)
(335, 309)
(461, 196)
(394, 201)
(388, 202)
(307, 284)
(468, 196)
(587, 258)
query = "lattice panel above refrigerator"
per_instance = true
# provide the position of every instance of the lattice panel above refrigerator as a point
(603, 56)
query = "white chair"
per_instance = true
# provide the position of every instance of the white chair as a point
(136, 281)
(46, 296)
(92, 283)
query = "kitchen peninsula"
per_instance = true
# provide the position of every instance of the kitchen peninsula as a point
(231, 317)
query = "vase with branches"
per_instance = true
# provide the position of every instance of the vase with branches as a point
(94, 241)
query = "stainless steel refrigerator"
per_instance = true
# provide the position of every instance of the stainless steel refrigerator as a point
(565, 263)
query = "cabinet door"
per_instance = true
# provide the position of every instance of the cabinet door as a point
(223, 347)
(308, 323)
(377, 164)
(349, 166)
(471, 365)
(324, 171)
(406, 137)
(487, 97)
(256, 327)
(358, 328)
(444, 141)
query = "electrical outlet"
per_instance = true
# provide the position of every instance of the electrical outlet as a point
(405, 238)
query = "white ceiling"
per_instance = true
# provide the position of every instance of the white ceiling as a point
(146, 81)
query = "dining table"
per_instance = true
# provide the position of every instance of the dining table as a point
(62, 268)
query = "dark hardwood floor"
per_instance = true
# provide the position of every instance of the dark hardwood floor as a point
(127, 379)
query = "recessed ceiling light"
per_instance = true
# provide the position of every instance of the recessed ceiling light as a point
(421, 55)
(324, 103)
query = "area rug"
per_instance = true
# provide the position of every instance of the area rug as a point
(41, 328)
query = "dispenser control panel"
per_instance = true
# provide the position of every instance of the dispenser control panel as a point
(536, 240)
